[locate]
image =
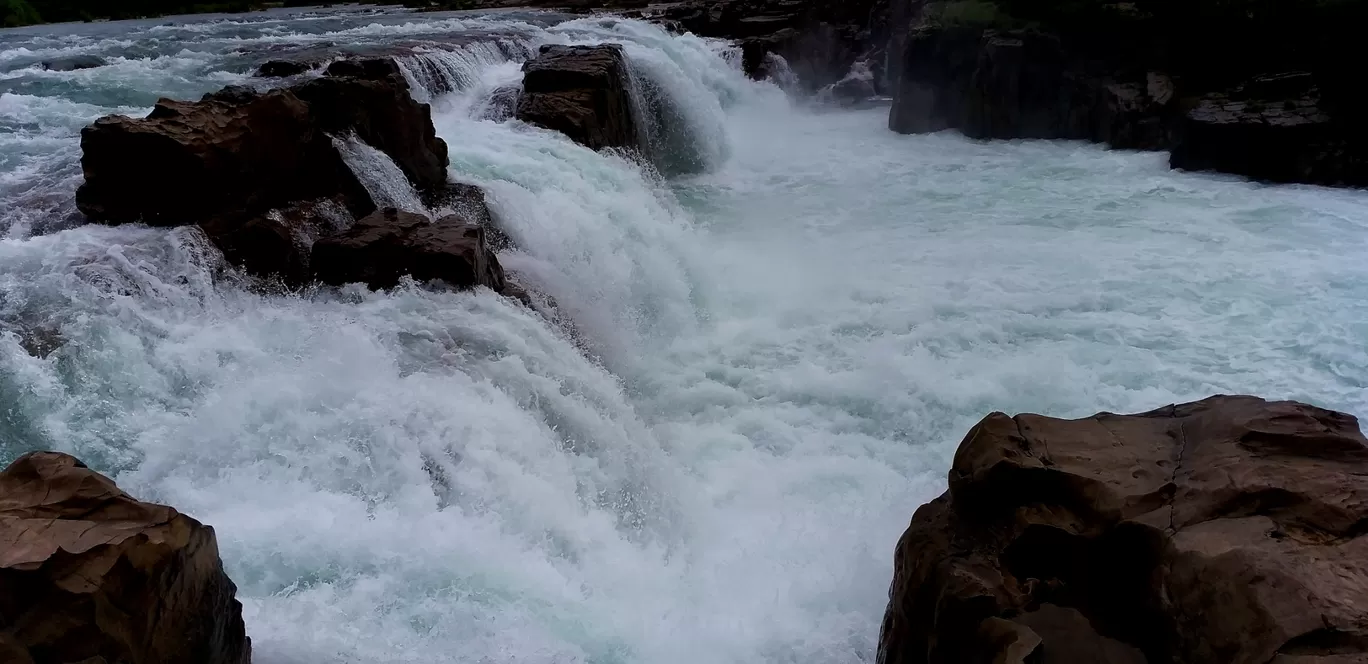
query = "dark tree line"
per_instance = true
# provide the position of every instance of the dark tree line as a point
(27, 12)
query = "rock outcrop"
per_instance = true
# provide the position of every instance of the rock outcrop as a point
(1232, 530)
(261, 172)
(820, 39)
(390, 244)
(584, 92)
(1258, 89)
(73, 63)
(283, 68)
(90, 575)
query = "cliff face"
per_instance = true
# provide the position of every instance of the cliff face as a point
(1265, 88)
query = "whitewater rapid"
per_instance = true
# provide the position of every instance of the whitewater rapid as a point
(767, 349)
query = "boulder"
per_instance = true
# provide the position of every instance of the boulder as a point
(1230, 530)
(73, 63)
(277, 244)
(89, 574)
(502, 103)
(371, 98)
(187, 162)
(283, 68)
(584, 92)
(1023, 86)
(389, 244)
(261, 172)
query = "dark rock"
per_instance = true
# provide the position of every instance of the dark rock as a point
(1139, 115)
(89, 574)
(819, 40)
(283, 68)
(1022, 87)
(73, 63)
(1282, 139)
(254, 169)
(856, 87)
(937, 72)
(389, 244)
(583, 92)
(188, 162)
(371, 99)
(1144, 75)
(1228, 530)
(502, 103)
(277, 244)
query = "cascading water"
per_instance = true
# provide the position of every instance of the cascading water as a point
(775, 354)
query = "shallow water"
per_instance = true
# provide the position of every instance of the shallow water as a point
(777, 349)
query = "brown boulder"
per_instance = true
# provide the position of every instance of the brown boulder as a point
(1228, 531)
(186, 162)
(89, 574)
(583, 92)
(389, 244)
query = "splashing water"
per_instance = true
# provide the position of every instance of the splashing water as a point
(782, 350)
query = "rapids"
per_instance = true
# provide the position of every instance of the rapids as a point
(770, 345)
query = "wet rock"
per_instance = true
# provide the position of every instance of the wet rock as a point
(1227, 530)
(583, 92)
(1260, 132)
(89, 574)
(502, 103)
(252, 168)
(819, 40)
(1139, 115)
(73, 63)
(1023, 87)
(371, 98)
(187, 162)
(283, 68)
(390, 244)
(278, 243)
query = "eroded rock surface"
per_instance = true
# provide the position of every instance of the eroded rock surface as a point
(390, 244)
(1232, 530)
(90, 575)
(583, 92)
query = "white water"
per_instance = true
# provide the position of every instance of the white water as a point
(786, 349)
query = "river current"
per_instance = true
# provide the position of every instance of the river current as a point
(763, 361)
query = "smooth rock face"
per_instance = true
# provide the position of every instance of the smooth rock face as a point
(1231, 530)
(390, 244)
(90, 575)
(583, 92)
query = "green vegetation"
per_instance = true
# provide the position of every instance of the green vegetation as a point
(28, 12)
(15, 13)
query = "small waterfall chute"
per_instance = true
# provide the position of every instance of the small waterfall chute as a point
(386, 182)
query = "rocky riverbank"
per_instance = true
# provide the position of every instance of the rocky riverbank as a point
(1229, 530)
(1263, 90)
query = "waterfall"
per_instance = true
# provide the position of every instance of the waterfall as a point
(436, 71)
(382, 178)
